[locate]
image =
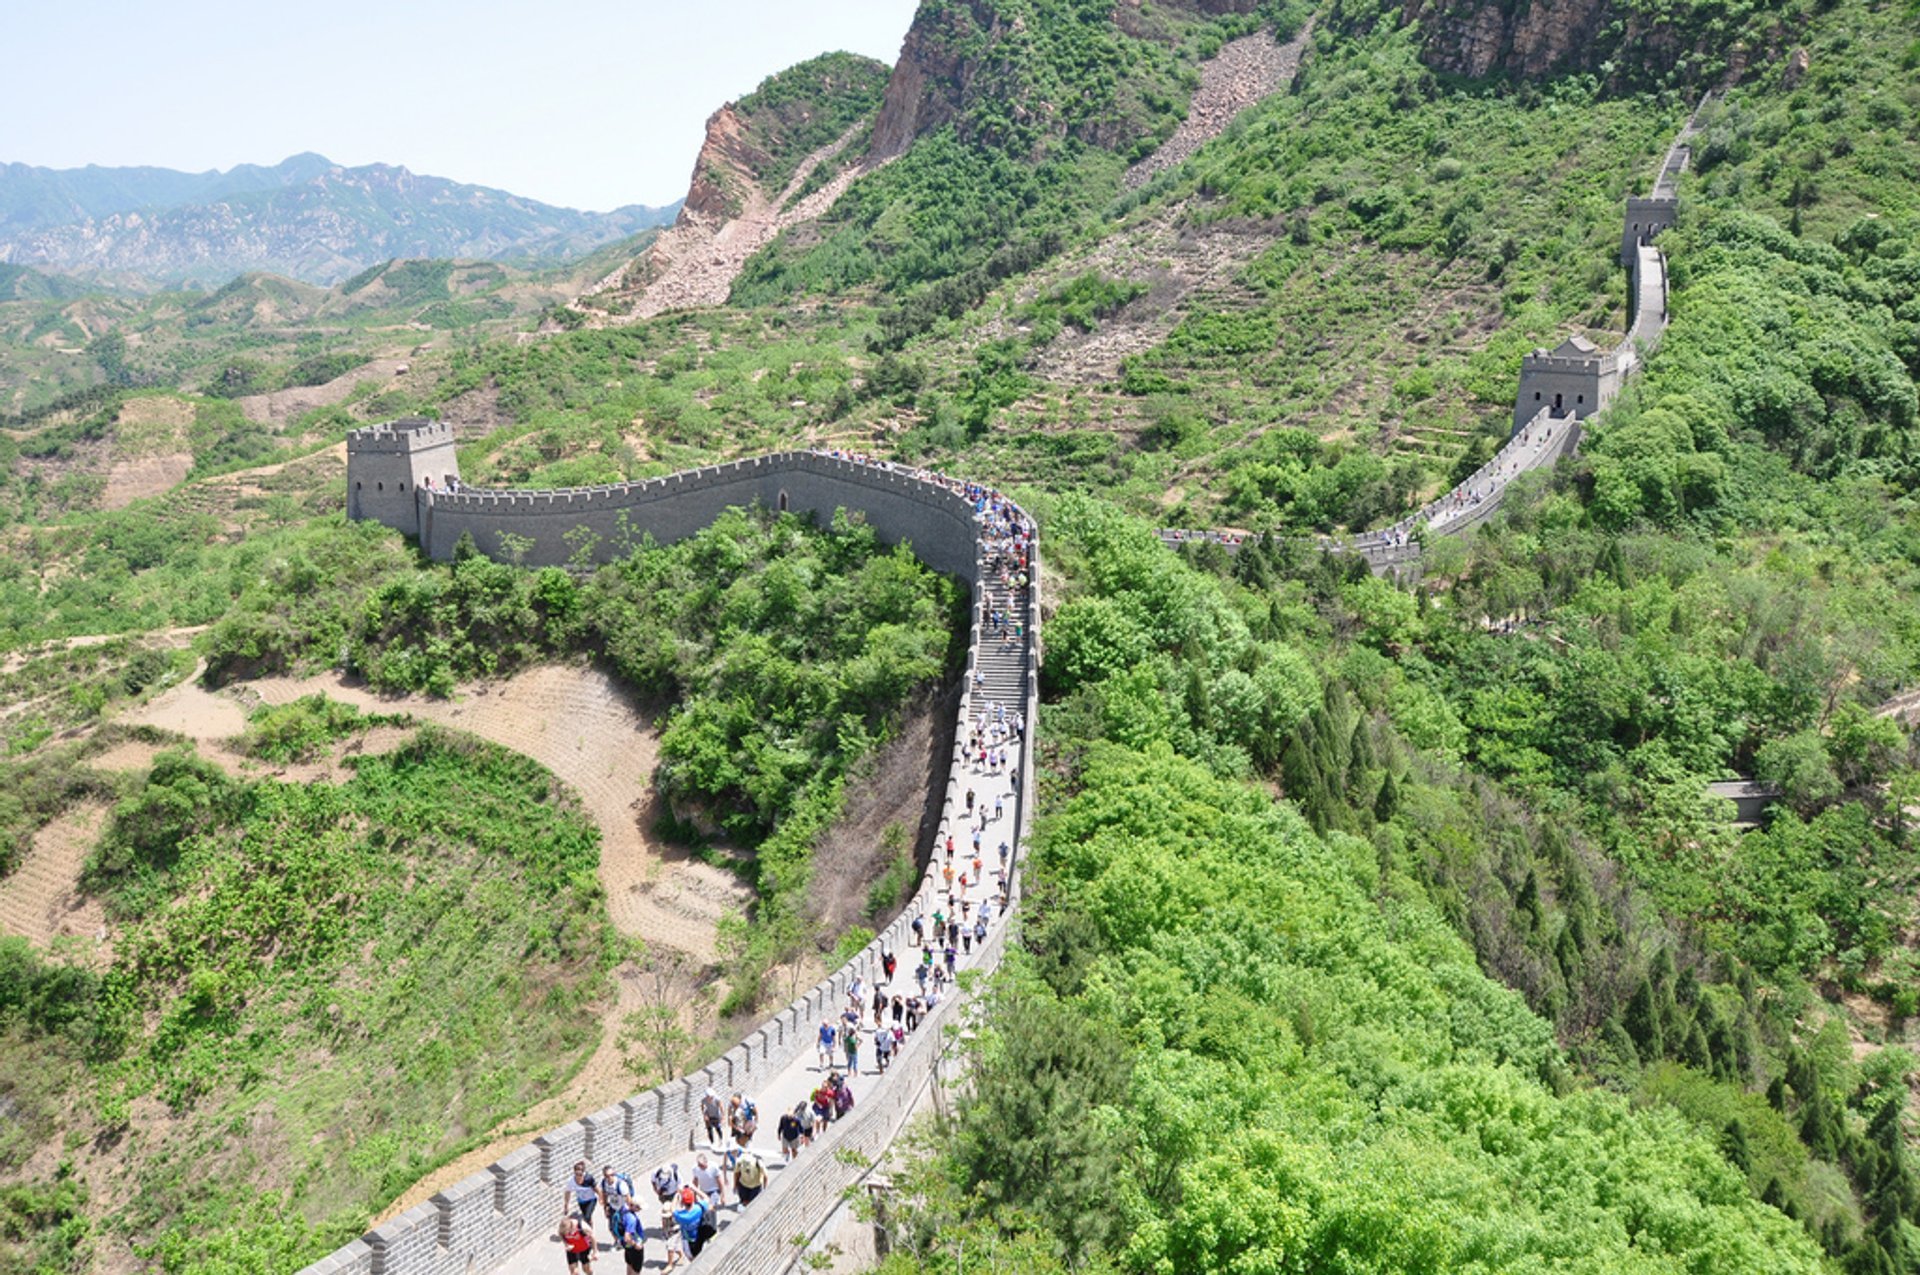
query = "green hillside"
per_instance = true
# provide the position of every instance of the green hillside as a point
(1372, 926)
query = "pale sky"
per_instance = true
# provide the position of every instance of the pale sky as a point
(584, 103)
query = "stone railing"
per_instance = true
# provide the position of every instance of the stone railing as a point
(485, 1219)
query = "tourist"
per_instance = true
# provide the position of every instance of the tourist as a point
(630, 1236)
(793, 1129)
(749, 1177)
(666, 1187)
(710, 1180)
(713, 1116)
(580, 1196)
(615, 1188)
(828, 1037)
(693, 1220)
(745, 1118)
(577, 1240)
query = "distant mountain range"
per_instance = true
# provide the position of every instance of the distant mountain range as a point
(306, 217)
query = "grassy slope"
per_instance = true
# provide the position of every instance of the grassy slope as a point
(316, 992)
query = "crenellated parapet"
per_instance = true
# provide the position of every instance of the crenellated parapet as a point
(492, 1219)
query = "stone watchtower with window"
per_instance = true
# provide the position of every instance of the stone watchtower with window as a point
(390, 464)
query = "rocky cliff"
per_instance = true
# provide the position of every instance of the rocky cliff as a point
(1627, 46)
(774, 158)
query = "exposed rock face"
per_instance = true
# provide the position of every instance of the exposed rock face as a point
(1531, 39)
(929, 82)
(1797, 67)
(729, 216)
(727, 166)
(1536, 38)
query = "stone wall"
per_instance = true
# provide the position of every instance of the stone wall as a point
(596, 524)
(483, 1220)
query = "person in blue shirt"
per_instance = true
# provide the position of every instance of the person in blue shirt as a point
(694, 1220)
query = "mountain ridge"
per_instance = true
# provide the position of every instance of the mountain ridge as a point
(305, 217)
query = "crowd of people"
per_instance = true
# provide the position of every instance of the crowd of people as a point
(951, 919)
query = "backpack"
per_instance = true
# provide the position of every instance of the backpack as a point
(751, 1172)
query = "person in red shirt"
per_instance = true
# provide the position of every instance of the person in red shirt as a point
(578, 1242)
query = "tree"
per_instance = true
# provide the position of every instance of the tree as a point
(1029, 1135)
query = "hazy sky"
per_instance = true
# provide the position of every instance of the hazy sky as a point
(576, 102)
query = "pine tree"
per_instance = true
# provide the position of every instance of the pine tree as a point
(1388, 799)
(1643, 1022)
(1733, 1141)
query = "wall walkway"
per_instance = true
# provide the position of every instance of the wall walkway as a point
(505, 1217)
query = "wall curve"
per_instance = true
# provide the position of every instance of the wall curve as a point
(1557, 390)
(481, 1223)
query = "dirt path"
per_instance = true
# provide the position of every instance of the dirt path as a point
(580, 725)
(244, 477)
(192, 710)
(40, 900)
(583, 728)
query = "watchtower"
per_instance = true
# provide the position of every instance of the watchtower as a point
(1646, 217)
(1575, 378)
(389, 465)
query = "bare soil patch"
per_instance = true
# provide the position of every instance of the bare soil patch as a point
(904, 784)
(40, 900)
(201, 715)
(131, 480)
(284, 405)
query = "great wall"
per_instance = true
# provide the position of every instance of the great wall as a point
(404, 475)
(1559, 389)
(502, 1218)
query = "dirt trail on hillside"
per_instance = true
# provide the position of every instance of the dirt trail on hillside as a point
(40, 900)
(696, 261)
(1240, 74)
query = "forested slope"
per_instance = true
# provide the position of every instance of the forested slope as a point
(1373, 927)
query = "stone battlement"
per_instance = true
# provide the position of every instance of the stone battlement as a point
(398, 437)
(478, 1223)
(1596, 364)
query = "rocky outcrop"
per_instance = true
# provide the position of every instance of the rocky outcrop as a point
(1536, 38)
(695, 263)
(728, 165)
(929, 82)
